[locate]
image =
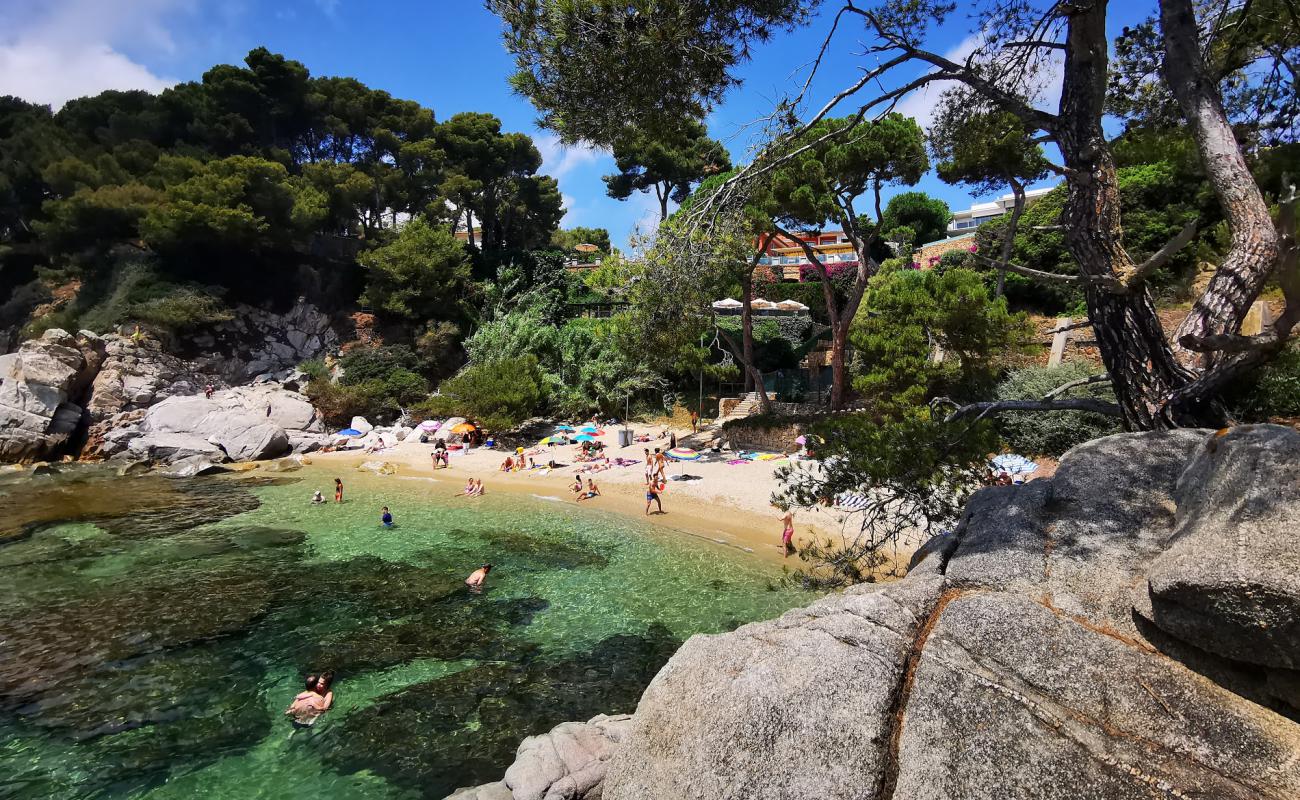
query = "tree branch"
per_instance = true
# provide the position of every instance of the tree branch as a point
(986, 409)
(1088, 381)
(1030, 273)
(1135, 275)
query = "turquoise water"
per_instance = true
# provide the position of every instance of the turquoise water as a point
(152, 632)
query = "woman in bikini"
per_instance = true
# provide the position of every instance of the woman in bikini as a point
(787, 535)
(338, 490)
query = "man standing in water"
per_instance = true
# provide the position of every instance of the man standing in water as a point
(310, 703)
(477, 578)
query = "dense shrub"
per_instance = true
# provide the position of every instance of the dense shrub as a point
(498, 395)
(377, 383)
(1051, 433)
(1271, 391)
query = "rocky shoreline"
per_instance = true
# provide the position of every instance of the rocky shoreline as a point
(130, 398)
(1129, 628)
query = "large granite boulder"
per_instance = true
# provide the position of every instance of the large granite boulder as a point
(41, 391)
(569, 762)
(248, 423)
(1230, 581)
(1125, 629)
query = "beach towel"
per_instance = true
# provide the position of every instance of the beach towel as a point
(851, 502)
(736, 461)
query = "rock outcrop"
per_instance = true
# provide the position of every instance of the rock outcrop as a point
(40, 389)
(1125, 629)
(247, 423)
(59, 390)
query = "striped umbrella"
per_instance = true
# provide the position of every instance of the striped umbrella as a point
(683, 454)
(554, 440)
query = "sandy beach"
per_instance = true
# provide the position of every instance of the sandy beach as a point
(728, 504)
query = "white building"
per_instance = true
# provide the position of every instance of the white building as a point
(980, 213)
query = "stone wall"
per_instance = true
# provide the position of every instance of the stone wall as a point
(747, 435)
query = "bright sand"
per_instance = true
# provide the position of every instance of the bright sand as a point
(730, 504)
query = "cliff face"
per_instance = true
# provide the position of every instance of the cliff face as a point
(1129, 628)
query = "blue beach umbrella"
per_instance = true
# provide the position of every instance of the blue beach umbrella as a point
(564, 427)
(349, 432)
(582, 437)
(589, 429)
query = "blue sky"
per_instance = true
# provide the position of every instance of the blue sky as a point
(445, 54)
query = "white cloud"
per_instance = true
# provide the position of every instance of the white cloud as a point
(558, 160)
(65, 49)
(570, 210)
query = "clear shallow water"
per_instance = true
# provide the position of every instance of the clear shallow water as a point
(152, 632)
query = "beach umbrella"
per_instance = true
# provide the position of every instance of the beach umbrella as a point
(349, 432)
(683, 454)
(554, 440)
(1013, 464)
(430, 425)
(584, 437)
(589, 428)
(801, 440)
(564, 427)
(464, 427)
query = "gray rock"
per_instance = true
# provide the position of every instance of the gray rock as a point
(41, 387)
(193, 466)
(243, 442)
(569, 762)
(1010, 699)
(798, 707)
(488, 791)
(169, 447)
(1230, 581)
(361, 424)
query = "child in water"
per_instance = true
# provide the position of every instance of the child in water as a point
(386, 518)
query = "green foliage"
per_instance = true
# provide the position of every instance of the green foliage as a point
(1271, 392)
(565, 239)
(914, 473)
(815, 185)
(915, 311)
(985, 150)
(377, 383)
(926, 217)
(595, 69)
(667, 165)
(244, 178)
(420, 275)
(1051, 433)
(498, 395)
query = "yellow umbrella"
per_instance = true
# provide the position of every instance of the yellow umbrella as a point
(464, 427)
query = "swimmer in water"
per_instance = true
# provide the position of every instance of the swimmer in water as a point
(307, 707)
(386, 518)
(476, 579)
(318, 498)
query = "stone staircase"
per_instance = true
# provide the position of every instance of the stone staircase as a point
(749, 404)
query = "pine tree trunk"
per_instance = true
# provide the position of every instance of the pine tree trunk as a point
(1133, 346)
(1255, 248)
(839, 342)
(747, 328)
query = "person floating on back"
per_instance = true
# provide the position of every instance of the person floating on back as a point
(386, 518)
(477, 578)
